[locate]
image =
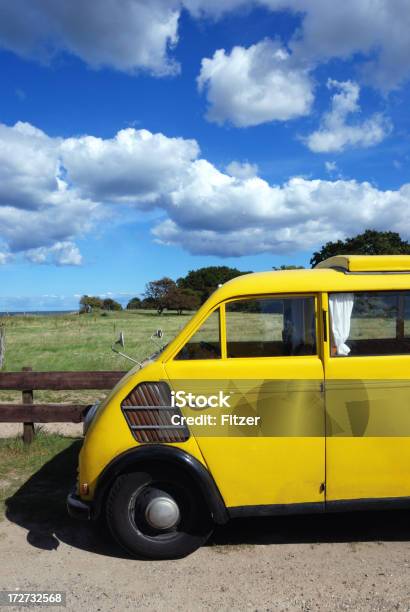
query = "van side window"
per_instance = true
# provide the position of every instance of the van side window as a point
(270, 327)
(206, 341)
(370, 323)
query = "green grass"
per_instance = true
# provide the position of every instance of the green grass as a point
(19, 464)
(73, 342)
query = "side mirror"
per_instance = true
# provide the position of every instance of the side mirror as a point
(121, 339)
(121, 342)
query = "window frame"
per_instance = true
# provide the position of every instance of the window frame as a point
(222, 327)
(277, 296)
(206, 316)
(356, 292)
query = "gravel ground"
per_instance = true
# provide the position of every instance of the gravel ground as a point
(336, 562)
(346, 561)
(9, 430)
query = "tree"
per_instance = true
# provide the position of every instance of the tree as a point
(183, 299)
(205, 280)
(134, 304)
(110, 304)
(157, 291)
(148, 304)
(371, 242)
(89, 303)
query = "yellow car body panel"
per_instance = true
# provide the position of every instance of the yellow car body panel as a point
(332, 438)
(285, 462)
(109, 435)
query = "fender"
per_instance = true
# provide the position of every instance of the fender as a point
(168, 455)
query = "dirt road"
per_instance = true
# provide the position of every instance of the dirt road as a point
(336, 562)
(340, 562)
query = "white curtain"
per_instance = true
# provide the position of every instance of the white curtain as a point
(341, 306)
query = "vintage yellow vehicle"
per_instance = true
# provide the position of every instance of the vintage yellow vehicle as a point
(287, 392)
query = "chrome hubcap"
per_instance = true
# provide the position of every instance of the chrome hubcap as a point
(162, 512)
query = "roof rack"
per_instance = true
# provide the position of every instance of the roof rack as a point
(368, 264)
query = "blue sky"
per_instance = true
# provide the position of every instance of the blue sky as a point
(139, 139)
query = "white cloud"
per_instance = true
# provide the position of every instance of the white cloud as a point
(37, 207)
(27, 166)
(215, 8)
(336, 134)
(242, 170)
(64, 188)
(61, 254)
(131, 35)
(4, 258)
(331, 166)
(127, 35)
(254, 85)
(375, 29)
(266, 83)
(234, 218)
(134, 166)
(53, 190)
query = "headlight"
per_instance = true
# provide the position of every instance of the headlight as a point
(89, 417)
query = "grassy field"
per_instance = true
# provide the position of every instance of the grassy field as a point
(18, 463)
(73, 342)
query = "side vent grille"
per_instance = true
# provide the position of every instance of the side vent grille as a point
(148, 412)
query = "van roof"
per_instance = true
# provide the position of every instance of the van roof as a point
(367, 263)
(343, 273)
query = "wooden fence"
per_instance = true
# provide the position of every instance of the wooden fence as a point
(29, 412)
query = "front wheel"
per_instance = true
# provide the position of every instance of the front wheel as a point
(158, 514)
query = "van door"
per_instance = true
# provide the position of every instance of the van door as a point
(368, 396)
(262, 354)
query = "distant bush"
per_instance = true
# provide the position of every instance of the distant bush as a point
(91, 303)
(109, 304)
(134, 304)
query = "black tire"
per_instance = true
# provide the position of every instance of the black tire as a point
(128, 524)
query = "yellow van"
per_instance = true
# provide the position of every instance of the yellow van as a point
(287, 392)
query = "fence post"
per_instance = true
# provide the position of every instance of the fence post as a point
(2, 344)
(28, 428)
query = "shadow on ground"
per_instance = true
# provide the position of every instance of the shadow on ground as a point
(39, 506)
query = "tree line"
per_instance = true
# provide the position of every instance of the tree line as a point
(186, 293)
(192, 290)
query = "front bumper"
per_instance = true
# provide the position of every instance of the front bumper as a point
(78, 508)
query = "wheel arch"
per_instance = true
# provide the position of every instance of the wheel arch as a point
(158, 454)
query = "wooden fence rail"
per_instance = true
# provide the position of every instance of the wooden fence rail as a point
(28, 412)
